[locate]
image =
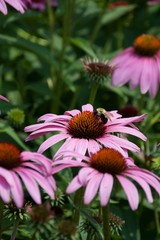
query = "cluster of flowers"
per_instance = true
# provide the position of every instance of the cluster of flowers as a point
(99, 149)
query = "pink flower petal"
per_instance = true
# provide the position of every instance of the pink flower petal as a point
(124, 143)
(72, 112)
(92, 187)
(146, 76)
(17, 4)
(3, 7)
(149, 178)
(111, 144)
(87, 107)
(6, 175)
(73, 186)
(17, 191)
(143, 184)
(85, 175)
(93, 146)
(4, 190)
(130, 190)
(2, 97)
(81, 146)
(37, 158)
(155, 77)
(51, 141)
(127, 130)
(105, 188)
(31, 186)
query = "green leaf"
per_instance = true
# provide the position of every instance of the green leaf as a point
(33, 47)
(10, 131)
(116, 13)
(83, 45)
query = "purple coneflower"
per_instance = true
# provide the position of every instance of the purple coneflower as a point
(98, 172)
(17, 4)
(32, 168)
(85, 131)
(139, 65)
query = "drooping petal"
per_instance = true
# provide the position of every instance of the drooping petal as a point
(105, 188)
(85, 174)
(74, 185)
(93, 146)
(37, 158)
(51, 141)
(48, 117)
(130, 190)
(124, 143)
(30, 185)
(17, 191)
(7, 175)
(92, 187)
(2, 97)
(148, 177)
(42, 181)
(155, 77)
(143, 184)
(4, 190)
(146, 76)
(111, 144)
(17, 4)
(127, 130)
(3, 7)
(81, 146)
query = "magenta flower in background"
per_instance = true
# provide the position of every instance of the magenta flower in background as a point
(98, 172)
(32, 169)
(40, 4)
(85, 131)
(152, 2)
(4, 98)
(139, 65)
(17, 4)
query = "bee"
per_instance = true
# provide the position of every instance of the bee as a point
(103, 115)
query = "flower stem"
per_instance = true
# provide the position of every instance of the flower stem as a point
(14, 230)
(93, 93)
(105, 217)
(98, 23)
(78, 203)
(1, 215)
(69, 8)
(156, 215)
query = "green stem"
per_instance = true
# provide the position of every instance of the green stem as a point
(51, 21)
(78, 203)
(105, 217)
(93, 93)
(1, 215)
(14, 230)
(156, 215)
(69, 7)
(98, 23)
